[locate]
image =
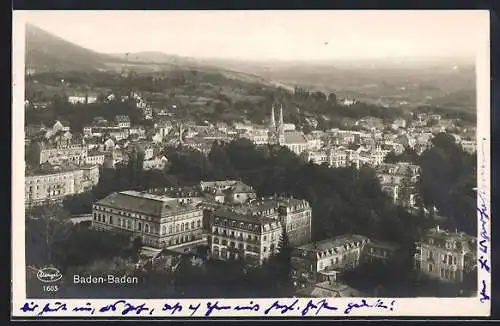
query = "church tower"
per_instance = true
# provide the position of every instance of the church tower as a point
(281, 128)
(273, 121)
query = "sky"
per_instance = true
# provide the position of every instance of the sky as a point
(272, 35)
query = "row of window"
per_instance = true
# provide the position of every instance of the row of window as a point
(59, 178)
(241, 225)
(447, 274)
(128, 224)
(234, 234)
(180, 227)
(297, 225)
(224, 254)
(446, 259)
(241, 246)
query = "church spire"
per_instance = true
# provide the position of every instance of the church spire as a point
(281, 116)
(273, 121)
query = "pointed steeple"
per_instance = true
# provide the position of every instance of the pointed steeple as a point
(273, 121)
(281, 116)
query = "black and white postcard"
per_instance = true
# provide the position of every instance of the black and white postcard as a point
(251, 164)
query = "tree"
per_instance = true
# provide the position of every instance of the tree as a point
(332, 98)
(280, 263)
(136, 247)
(48, 224)
(448, 176)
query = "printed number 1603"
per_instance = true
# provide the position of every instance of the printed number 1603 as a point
(50, 288)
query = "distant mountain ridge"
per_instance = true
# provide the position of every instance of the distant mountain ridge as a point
(447, 82)
(45, 51)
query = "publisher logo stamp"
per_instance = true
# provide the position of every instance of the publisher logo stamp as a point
(49, 275)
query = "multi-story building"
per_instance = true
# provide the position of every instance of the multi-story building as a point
(295, 216)
(242, 236)
(53, 183)
(446, 256)
(138, 131)
(314, 141)
(373, 157)
(82, 99)
(399, 181)
(155, 163)
(95, 157)
(228, 191)
(470, 146)
(122, 121)
(315, 261)
(119, 129)
(317, 157)
(59, 153)
(77, 99)
(379, 251)
(160, 221)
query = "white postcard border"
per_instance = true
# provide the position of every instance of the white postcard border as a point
(452, 307)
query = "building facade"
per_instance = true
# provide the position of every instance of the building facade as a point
(313, 260)
(446, 256)
(62, 152)
(160, 221)
(241, 236)
(296, 217)
(55, 183)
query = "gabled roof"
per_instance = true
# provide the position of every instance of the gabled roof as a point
(142, 203)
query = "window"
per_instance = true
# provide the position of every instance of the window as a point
(111, 220)
(139, 226)
(198, 223)
(454, 260)
(170, 229)
(265, 238)
(95, 216)
(232, 244)
(192, 225)
(430, 267)
(163, 229)
(442, 272)
(177, 228)
(146, 228)
(240, 246)
(265, 249)
(182, 227)
(224, 242)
